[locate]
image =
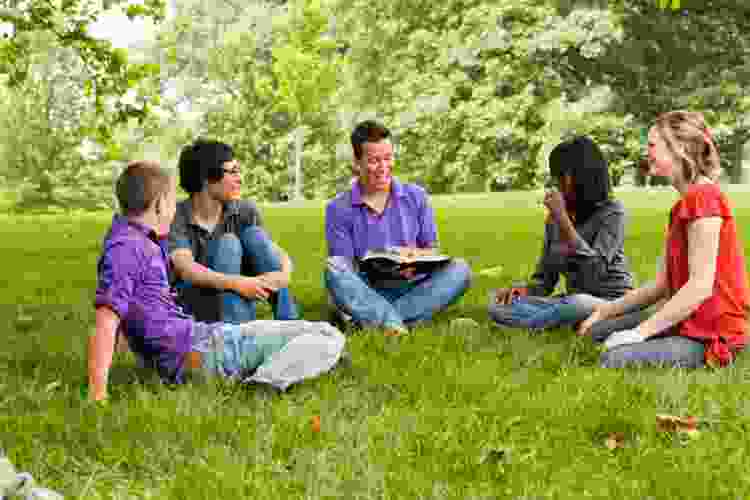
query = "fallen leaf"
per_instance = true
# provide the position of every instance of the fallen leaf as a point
(315, 423)
(670, 423)
(615, 440)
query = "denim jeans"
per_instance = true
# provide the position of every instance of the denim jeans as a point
(538, 313)
(674, 350)
(278, 353)
(414, 301)
(665, 349)
(226, 255)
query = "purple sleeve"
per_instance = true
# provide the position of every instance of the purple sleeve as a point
(427, 236)
(116, 278)
(338, 232)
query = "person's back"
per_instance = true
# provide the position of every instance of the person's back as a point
(133, 282)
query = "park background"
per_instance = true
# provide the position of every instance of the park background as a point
(477, 93)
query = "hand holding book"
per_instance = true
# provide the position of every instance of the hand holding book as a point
(401, 262)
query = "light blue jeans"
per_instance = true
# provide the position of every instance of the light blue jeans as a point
(278, 353)
(413, 302)
(226, 254)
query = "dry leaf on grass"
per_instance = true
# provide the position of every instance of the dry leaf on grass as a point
(315, 423)
(671, 423)
(615, 440)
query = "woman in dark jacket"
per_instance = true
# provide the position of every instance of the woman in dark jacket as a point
(584, 240)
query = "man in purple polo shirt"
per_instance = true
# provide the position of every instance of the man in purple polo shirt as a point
(380, 212)
(133, 297)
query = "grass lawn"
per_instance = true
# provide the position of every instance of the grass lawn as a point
(487, 413)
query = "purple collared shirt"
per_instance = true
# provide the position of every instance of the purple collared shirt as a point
(352, 228)
(132, 281)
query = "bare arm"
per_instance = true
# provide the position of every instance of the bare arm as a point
(645, 296)
(187, 269)
(100, 351)
(279, 279)
(703, 251)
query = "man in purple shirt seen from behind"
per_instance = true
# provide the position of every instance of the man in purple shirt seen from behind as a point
(379, 212)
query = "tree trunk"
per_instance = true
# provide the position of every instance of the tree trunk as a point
(736, 173)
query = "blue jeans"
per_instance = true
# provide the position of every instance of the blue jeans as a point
(538, 313)
(415, 301)
(675, 351)
(667, 348)
(226, 255)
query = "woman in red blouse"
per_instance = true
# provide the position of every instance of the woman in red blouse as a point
(703, 278)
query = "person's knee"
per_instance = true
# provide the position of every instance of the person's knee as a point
(226, 250)
(254, 235)
(256, 241)
(229, 241)
(462, 271)
(334, 337)
(339, 264)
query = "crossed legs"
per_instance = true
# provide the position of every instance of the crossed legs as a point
(394, 308)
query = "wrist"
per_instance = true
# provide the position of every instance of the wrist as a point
(608, 310)
(231, 284)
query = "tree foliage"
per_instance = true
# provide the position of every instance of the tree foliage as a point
(477, 92)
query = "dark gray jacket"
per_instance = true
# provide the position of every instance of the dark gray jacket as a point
(595, 265)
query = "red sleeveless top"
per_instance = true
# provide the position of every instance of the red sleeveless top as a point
(720, 322)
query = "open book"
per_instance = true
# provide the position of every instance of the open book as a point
(387, 263)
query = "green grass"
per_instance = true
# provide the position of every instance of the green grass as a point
(488, 413)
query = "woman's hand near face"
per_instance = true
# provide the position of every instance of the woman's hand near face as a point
(555, 203)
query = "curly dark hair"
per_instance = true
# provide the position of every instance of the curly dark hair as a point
(202, 161)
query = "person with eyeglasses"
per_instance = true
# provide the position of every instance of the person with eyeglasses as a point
(223, 259)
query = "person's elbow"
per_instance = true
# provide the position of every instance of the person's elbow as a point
(182, 260)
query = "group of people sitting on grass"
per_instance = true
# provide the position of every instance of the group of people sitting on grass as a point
(180, 281)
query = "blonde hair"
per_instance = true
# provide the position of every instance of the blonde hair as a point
(689, 139)
(140, 185)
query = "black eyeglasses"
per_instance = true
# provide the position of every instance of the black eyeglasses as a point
(233, 171)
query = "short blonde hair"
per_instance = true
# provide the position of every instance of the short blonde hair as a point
(689, 139)
(140, 185)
